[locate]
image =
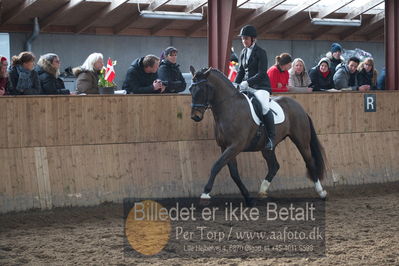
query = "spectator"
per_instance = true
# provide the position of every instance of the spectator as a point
(87, 74)
(24, 79)
(335, 56)
(252, 73)
(170, 73)
(233, 56)
(345, 76)
(381, 80)
(299, 79)
(141, 77)
(278, 74)
(367, 74)
(48, 69)
(4, 82)
(321, 76)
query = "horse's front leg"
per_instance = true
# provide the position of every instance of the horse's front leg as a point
(226, 156)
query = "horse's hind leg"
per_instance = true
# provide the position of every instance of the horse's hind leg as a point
(273, 166)
(226, 156)
(232, 164)
(306, 153)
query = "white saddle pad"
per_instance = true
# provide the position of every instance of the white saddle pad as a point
(278, 112)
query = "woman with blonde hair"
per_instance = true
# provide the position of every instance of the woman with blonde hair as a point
(87, 74)
(367, 73)
(24, 79)
(299, 79)
(48, 68)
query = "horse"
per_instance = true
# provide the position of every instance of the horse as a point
(236, 131)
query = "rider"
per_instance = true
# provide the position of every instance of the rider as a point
(252, 73)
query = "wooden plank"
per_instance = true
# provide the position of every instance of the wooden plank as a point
(43, 178)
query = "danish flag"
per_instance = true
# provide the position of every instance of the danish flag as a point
(232, 71)
(110, 72)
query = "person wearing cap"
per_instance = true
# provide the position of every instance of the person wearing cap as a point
(169, 72)
(278, 74)
(321, 76)
(335, 56)
(252, 73)
(142, 77)
(4, 81)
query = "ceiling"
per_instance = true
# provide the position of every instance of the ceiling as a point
(274, 19)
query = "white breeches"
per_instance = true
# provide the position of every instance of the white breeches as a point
(263, 97)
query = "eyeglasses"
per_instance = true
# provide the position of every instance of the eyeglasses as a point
(368, 64)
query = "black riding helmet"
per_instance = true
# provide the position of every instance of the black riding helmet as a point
(248, 30)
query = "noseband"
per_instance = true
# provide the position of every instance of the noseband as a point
(197, 105)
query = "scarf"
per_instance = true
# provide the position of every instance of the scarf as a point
(24, 79)
(325, 74)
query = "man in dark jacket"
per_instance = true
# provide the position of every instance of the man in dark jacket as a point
(170, 73)
(252, 73)
(345, 76)
(141, 77)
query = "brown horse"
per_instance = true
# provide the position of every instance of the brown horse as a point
(235, 130)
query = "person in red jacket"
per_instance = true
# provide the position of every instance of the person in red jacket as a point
(278, 74)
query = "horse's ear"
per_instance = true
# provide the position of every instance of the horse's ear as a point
(206, 73)
(192, 70)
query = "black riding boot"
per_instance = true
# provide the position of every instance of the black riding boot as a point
(268, 121)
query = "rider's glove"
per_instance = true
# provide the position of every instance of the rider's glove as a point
(244, 85)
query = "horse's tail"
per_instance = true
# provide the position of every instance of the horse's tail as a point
(318, 153)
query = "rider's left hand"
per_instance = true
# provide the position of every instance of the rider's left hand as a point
(244, 85)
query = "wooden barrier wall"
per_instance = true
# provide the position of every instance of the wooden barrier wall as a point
(85, 150)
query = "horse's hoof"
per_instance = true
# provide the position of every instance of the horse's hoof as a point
(262, 195)
(323, 194)
(205, 196)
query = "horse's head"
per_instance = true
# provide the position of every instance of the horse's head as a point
(200, 92)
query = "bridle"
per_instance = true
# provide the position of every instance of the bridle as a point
(199, 105)
(207, 104)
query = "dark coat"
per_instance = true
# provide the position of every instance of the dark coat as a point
(365, 78)
(319, 83)
(171, 76)
(87, 81)
(35, 89)
(257, 68)
(49, 81)
(137, 81)
(5, 83)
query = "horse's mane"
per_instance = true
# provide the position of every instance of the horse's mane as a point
(219, 74)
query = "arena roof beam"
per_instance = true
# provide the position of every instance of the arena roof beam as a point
(195, 5)
(153, 5)
(241, 3)
(112, 6)
(17, 10)
(190, 8)
(328, 10)
(353, 13)
(334, 7)
(59, 12)
(287, 16)
(269, 5)
(374, 20)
